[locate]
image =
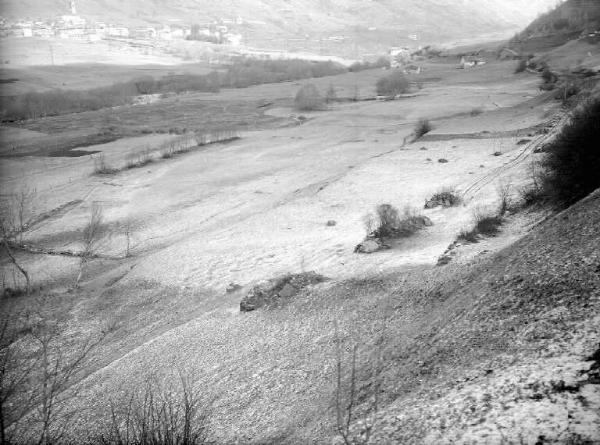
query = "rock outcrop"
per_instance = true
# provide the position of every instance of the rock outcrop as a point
(274, 292)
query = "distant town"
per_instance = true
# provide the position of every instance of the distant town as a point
(73, 26)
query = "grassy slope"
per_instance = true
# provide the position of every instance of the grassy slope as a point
(423, 335)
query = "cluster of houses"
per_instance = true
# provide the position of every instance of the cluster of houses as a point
(73, 26)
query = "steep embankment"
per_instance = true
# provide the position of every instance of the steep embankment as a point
(507, 353)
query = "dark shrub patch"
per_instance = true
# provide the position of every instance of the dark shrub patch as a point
(422, 127)
(308, 98)
(488, 225)
(446, 197)
(392, 84)
(573, 158)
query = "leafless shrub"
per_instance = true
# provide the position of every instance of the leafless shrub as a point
(422, 127)
(139, 159)
(504, 190)
(16, 216)
(370, 223)
(391, 224)
(36, 379)
(354, 423)
(158, 416)
(91, 237)
(101, 167)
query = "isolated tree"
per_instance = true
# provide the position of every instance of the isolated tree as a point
(330, 95)
(16, 215)
(308, 98)
(91, 236)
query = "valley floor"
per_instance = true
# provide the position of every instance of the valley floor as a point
(472, 351)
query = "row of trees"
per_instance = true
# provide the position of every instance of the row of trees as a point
(242, 73)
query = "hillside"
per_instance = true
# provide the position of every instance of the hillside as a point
(567, 21)
(431, 20)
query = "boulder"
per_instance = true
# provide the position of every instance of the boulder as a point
(371, 245)
(274, 292)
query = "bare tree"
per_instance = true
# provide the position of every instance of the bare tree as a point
(504, 190)
(16, 215)
(91, 238)
(347, 398)
(37, 372)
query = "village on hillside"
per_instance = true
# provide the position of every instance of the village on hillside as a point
(73, 26)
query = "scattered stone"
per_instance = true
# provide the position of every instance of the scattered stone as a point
(524, 141)
(442, 160)
(423, 148)
(497, 153)
(331, 223)
(273, 292)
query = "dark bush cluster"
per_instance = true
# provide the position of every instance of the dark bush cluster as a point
(422, 127)
(572, 162)
(446, 197)
(485, 225)
(391, 224)
(392, 84)
(308, 98)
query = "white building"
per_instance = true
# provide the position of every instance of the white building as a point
(117, 31)
(72, 20)
(234, 39)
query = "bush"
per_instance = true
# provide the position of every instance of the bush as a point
(390, 224)
(485, 224)
(446, 197)
(488, 225)
(549, 79)
(422, 127)
(392, 84)
(573, 158)
(308, 98)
